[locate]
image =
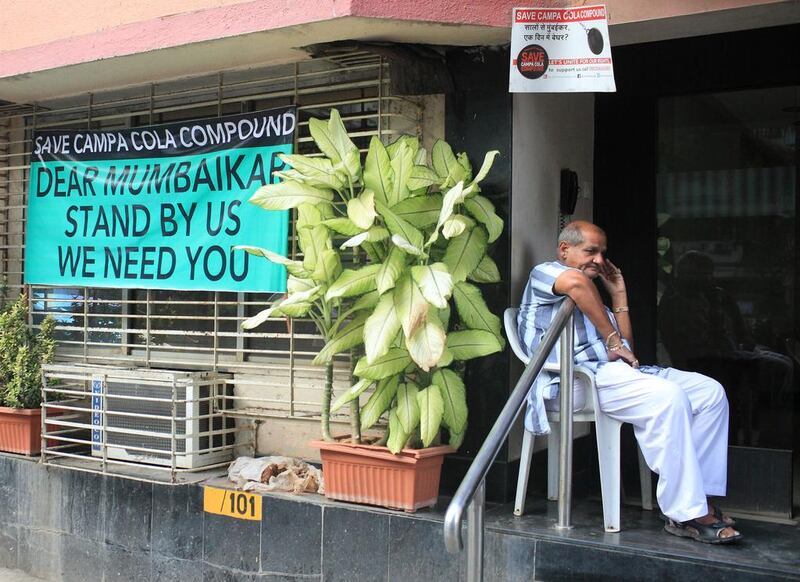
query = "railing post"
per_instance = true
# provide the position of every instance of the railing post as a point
(469, 497)
(475, 534)
(565, 450)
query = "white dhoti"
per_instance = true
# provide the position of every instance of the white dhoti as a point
(681, 422)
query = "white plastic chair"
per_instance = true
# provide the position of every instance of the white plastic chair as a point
(608, 443)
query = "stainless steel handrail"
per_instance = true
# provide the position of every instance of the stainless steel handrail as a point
(474, 481)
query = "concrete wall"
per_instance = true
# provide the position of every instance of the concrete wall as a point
(550, 132)
(55, 19)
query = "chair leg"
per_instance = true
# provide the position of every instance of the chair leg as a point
(553, 444)
(645, 480)
(524, 472)
(608, 453)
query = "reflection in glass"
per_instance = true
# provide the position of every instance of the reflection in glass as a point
(726, 192)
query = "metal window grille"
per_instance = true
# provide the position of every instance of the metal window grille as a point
(271, 366)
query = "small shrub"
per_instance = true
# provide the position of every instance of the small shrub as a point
(22, 353)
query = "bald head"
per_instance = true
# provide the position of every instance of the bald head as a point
(574, 233)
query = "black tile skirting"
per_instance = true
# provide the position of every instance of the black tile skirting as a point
(63, 525)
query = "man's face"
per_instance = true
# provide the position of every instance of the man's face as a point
(586, 256)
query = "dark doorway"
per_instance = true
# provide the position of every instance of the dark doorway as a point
(696, 183)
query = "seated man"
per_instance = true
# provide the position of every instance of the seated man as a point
(679, 418)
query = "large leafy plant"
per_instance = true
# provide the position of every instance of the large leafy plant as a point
(425, 230)
(22, 353)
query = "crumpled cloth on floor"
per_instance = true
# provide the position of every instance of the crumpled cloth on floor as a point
(276, 474)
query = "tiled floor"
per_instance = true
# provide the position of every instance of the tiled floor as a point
(765, 547)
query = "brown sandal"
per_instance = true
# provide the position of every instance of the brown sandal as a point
(706, 533)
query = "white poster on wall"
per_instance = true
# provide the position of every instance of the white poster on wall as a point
(560, 50)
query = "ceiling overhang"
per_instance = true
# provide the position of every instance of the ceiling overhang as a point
(236, 37)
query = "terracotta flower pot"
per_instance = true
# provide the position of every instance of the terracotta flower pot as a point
(374, 476)
(21, 430)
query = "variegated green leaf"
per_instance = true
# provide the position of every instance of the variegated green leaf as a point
(379, 402)
(402, 163)
(366, 301)
(351, 394)
(483, 211)
(454, 399)
(407, 246)
(310, 215)
(397, 436)
(456, 224)
(303, 296)
(286, 195)
(456, 439)
(422, 177)
(260, 317)
(444, 316)
(473, 343)
(408, 141)
(314, 171)
(377, 234)
(378, 172)
(442, 158)
(398, 226)
(472, 309)
(375, 253)
(407, 406)
(488, 160)
(346, 338)
(361, 210)
(314, 242)
(420, 211)
(328, 267)
(390, 269)
(295, 284)
(463, 161)
(451, 198)
(293, 267)
(374, 234)
(427, 344)
(342, 225)
(421, 157)
(465, 252)
(434, 282)
(355, 241)
(293, 310)
(295, 305)
(381, 328)
(322, 137)
(431, 409)
(486, 271)
(351, 283)
(348, 152)
(392, 362)
(412, 308)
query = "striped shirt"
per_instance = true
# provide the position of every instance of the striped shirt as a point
(537, 310)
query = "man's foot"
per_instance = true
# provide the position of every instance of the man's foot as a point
(720, 516)
(706, 529)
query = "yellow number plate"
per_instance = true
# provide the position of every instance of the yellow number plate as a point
(236, 504)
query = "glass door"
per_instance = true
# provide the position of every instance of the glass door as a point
(727, 185)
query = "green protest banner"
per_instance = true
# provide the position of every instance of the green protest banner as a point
(158, 207)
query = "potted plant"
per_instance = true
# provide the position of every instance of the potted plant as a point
(22, 353)
(411, 312)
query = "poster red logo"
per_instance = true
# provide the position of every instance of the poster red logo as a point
(532, 61)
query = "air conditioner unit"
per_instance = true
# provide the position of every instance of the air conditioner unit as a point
(163, 417)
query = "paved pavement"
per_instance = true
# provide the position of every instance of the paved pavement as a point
(7, 575)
